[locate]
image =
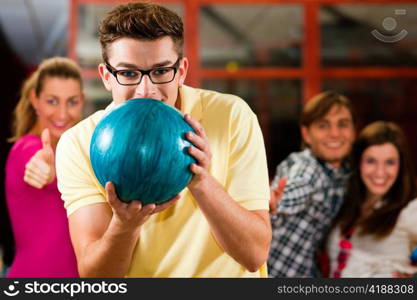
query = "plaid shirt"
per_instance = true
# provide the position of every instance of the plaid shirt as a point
(313, 196)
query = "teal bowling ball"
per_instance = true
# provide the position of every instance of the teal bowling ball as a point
(413, 256)
(141, 147)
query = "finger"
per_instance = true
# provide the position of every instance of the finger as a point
(134, 206)
(199, 155)
(197, 141)
(112, 196)
(46, 138)
(37, 164)
(282, 183)
(36, 174)
(199, 129)
(272, 208)
(272, 202)
(196, 169)
(47, 152)
(277, 196)
(146, 210)
(33, 181)
(167, 204)
(38, 168)
(279, 190)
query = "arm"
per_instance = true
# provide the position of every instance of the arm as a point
(297, 194)
(243, 234)
(104, 236)
(103, 233)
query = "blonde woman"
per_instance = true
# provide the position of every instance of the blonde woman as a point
(51, 102)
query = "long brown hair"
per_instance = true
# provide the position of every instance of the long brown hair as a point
(383, 219)
(141, 21)
(24, 116)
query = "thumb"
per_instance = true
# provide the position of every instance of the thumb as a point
(281, 184)
(47, 152)
(279, 190)
(46, 138)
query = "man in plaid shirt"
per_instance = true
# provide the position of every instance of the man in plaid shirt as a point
(314, 188)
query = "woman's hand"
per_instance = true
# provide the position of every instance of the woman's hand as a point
(40, 170)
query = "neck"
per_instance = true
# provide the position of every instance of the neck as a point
(335, 164)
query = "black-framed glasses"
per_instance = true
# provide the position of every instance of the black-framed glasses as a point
(158, 75)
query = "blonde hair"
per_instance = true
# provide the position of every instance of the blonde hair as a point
(24, 115)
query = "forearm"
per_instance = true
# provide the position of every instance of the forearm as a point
(109, 256)
(243, 234)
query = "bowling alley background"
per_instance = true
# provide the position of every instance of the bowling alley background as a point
(275, 54)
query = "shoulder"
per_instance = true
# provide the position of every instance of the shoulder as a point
(410, 212)
(27, 143)
(82, 132)
(407, 220)
(25, 147)
(218, 104)
(22, 151)
(300, 166)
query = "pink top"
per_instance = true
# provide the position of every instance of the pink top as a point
(39, 221)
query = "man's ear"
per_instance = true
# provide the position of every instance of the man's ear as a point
(305, 133)
(182, 70)
(105, 76)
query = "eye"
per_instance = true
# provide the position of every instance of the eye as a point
(73, 102)
(322, 125)
(343, 125)
(391, 162)
(128, 73)
(369, 160)
(52, 101)
(160, 71)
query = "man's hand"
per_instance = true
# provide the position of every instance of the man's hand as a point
(200, 151)
(40, 170)
(132, 215)
(276, 195)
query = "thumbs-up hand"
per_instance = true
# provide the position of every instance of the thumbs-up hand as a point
(276, 195)
(40, 170)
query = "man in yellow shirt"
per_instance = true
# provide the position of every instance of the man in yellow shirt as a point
(219, 225)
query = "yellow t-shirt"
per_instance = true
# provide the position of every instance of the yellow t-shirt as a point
(177, 242)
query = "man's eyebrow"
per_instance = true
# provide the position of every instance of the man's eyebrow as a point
(133, 66)
(345, 120)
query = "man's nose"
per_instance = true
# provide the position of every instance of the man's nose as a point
(334, 131)
(146, 88)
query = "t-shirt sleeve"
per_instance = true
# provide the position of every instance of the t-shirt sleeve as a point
(76, 180)
(247, 180)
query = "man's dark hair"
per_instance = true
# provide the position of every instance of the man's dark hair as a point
(321, 104)
(141, 21)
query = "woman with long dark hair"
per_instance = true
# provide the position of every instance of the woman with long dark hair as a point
(377, 226)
